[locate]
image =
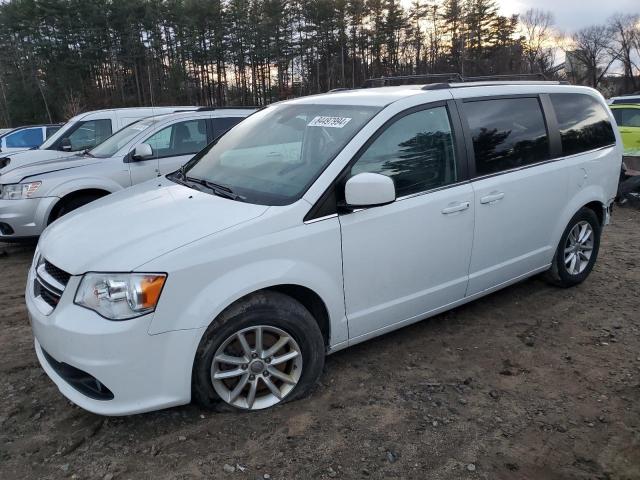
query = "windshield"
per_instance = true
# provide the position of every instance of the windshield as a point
(115, 142)
(273, 156)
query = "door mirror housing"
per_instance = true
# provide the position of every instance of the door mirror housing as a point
(369, 190)
(142, 152)
(65, 144)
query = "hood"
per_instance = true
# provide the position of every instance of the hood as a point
(132, 227)
(12, 161)
(23, 168)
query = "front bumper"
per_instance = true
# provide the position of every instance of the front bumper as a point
(24, 218)
(143, 372)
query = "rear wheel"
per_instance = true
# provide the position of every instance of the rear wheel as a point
(263, 351)
(577, 251)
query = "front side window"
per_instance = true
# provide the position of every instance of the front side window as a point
(273, 156)
(507, 133)
(89, 134)
(416, 151)
(183, 138)
(627, 117)
(27, 138)
(583, 121)
(222, 124)
(52, 130)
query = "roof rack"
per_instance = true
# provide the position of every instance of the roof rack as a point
(231, 107)
(411, 79)
(438, 81)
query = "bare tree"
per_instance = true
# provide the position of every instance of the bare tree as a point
(592, 49)
(537, 31)
(625, 35)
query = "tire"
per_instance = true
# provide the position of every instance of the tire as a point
(277, 316)
(70, 205)
(564, 272)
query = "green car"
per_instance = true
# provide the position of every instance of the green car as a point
(628, 119)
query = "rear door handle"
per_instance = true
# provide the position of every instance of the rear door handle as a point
(456, 207)
(493, 197)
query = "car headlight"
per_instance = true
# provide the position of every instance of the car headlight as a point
(18, 191)
(120, 296)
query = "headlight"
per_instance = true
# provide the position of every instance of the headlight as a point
(17, 191)
(120, 296)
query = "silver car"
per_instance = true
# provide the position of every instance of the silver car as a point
(32, 196)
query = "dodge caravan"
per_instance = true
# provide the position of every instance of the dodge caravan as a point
(313, 225)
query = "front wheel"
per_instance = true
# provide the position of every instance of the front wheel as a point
(577, 251)
(265, 350)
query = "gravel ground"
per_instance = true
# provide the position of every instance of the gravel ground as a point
(531, 382)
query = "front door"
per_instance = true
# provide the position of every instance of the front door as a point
(403, 260)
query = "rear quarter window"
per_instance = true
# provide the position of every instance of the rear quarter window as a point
(584, 123)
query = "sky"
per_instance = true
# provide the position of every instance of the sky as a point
(572, 15)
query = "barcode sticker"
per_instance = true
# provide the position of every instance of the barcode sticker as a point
(329, 122)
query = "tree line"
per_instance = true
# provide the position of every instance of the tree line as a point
(65, 56)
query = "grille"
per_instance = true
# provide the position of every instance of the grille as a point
(58, 274)
(50, 298)
(49, 283)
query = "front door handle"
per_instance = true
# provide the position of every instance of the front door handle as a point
(456, 207)
(493, 197)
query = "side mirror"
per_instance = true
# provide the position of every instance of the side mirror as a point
(65, 145)
(369, 190)
(142, 152)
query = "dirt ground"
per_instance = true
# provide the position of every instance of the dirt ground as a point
(531, 382)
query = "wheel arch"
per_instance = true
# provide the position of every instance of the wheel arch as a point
(97, 192)
(305, 296)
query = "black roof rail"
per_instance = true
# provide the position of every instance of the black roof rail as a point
(231, 107)
(411, 79)
(339, 89)
(506, 77)
(437, 81)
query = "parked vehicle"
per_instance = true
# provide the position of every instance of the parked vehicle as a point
(311, 226)
(35, 195)
(82, 132)
(628, 118)
(26, 138)
(624, 99)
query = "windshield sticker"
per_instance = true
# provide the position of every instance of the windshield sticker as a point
(329, 122)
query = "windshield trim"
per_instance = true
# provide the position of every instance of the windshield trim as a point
(293, 199)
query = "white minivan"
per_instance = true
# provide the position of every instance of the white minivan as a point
(82, 132)
(313, 225)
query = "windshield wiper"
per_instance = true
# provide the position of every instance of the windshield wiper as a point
(220, 190)
(87, 153)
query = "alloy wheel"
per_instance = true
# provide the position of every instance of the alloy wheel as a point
(256, 367)
(578, 248)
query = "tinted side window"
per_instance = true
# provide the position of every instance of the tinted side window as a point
(27, 138)
(417, 152)
(584, 123)
(507, 133)
(222, 124)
